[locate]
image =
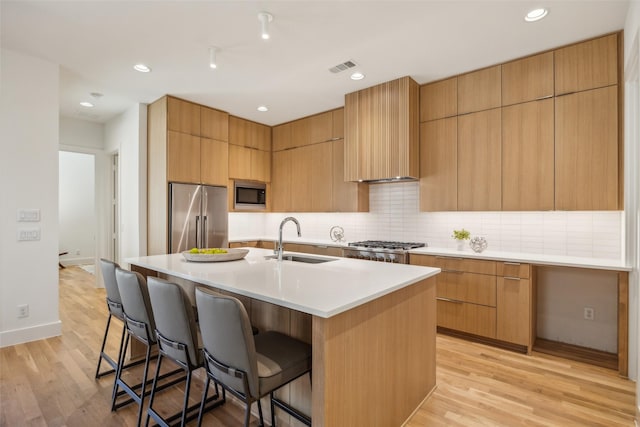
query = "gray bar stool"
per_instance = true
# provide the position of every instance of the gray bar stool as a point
(249, 367)
(177, 336)
(141, 326)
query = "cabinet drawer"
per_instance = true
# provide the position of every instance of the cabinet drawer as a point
(513, 269)
(467, 287)
(246, 244)
(455, 264)
(469, 318)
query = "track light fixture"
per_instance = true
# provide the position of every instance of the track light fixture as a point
(265, 18)
(212, 57)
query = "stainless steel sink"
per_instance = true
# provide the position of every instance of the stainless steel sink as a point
(301, 258)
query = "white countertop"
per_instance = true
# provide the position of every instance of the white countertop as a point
(539, 259)
(300, 240)
(322, 290)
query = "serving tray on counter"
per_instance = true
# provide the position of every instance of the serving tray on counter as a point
(231, 255)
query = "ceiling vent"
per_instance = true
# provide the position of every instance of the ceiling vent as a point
(342, 67)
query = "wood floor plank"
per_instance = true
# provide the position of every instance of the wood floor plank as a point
(50, 382)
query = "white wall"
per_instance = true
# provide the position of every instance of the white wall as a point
(81, 133)
(127, 135)
(77, 213)
(29, 173)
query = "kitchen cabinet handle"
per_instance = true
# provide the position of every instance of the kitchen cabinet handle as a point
(511, 278)
(455, 301)
(322, 246)
(444, 270)
(448, 257)
(544, 97)
(512, 263)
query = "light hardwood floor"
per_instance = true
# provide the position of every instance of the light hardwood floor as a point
(50, 382)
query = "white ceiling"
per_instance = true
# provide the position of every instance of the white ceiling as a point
(96, 44)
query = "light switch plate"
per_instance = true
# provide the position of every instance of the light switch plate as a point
(28, 235)
(28, 215)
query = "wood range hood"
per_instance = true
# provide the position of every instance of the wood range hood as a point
(381, 132)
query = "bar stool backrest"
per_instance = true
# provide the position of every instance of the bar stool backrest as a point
(136, 304)
(175, 320)
(228, 338)
(114, 301)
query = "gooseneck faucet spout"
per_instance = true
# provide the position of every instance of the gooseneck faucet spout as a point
(279, 244)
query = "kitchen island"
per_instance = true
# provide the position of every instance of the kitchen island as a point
(372, 327)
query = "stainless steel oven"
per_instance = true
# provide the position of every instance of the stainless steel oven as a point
(380, 250)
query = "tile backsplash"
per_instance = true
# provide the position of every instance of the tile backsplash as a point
(394, 215)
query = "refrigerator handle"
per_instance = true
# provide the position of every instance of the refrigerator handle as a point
(197, 228)
(205, 232)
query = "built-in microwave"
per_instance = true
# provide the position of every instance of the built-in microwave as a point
(249, 196)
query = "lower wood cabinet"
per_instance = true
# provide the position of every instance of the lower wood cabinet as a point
(313, 249)
(488, 299)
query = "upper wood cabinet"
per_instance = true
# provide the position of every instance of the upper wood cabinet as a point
(183, 116)
(586, 150)
(381, 131)
(439, 100)
(479, 161)
(527, 79)
(321, 127)
(183, 157)
(249, 134)
(439, 165)
(587, 65)
(281, 180)
(214, 162)
(527, 156)
(479, 90)
(346, 196)
(214, 124)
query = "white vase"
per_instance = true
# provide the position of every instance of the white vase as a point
(460, 244)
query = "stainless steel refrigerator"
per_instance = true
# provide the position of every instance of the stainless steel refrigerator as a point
(197, 217)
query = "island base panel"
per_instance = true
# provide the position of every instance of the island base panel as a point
(374, 364)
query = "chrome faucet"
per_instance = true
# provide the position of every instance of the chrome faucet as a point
(278, 249)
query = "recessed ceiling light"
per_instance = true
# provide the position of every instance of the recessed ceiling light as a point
(142, 68)
(536, 14)
(263, 108)
(357, 76)
(86, 104)
(96, 95)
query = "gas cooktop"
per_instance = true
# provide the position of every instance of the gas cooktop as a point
(382, 244)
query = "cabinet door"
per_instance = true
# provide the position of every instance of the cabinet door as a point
(301, 184)
(439, 100)
(281, 181)
(260, 165)
(439, 165)
(183, 158)
(214, 162)
(513, 322)
(347, 196)
(249, 134)
(587, 150)
(527, 79)
(214, 124)
(262, 137)
(338, 123)
(282, 137)
(588, 65)
(321, 171)
(183, 116)
(239, 162)
(300, 133)
(479, 90)
(467, 287)
(320, 127)
(528, 156)
(465, 317)
(479, 161)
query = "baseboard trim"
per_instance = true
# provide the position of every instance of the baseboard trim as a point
(32, 333)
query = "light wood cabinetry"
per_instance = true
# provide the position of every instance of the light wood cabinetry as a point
(183, 116)
(346, 196)
(249, 150)
(183, 157)
(489, 299)
(479, 161)
(338, 124)
(479, 90)
(319, 160)
(314, 129)
(515, 304)
(281, 179)
(381, 131)
(214, 162)
(439, 100)
(301, 178)
(587, 65)
(439, 165)
(586, 150)
(528, 156)
(214, 124)
(313, 249)
(527, 79)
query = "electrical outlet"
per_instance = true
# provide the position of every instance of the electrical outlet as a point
(23, 310)
(589, 313)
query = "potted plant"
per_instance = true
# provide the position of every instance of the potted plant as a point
(460, 236)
